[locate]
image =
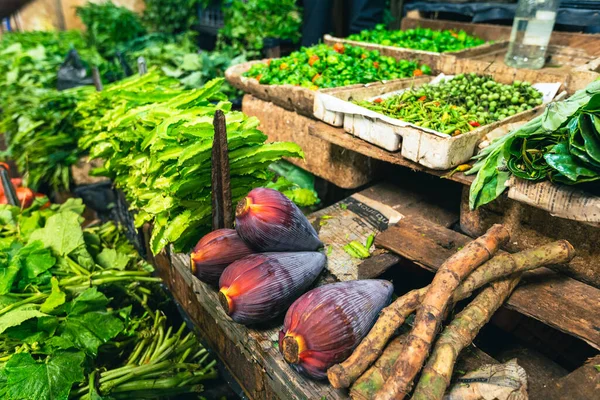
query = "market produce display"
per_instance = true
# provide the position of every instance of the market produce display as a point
(248, 23)
(323, 66)
(419, 39)
(561, 145)
(79, 313)
(159, 155)
(458, 105)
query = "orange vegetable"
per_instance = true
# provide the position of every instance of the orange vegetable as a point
(283, 66)
(339, 48)
(417, 72)
(422, 98)
(314, 78)
(378, 100)
(375, 64)
(313, 59)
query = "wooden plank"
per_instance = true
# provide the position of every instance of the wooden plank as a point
(368, 212)
(346, 169)
(338, 137)
(554, 299)
(222, 209)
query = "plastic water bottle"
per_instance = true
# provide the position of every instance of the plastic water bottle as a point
(531, 31)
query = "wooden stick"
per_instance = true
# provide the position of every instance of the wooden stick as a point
(458, 335)
(222, 209)
(429, 314)
(392, 317)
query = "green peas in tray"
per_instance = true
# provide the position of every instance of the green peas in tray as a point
(324, 66)
(458, 105)
(419, 39)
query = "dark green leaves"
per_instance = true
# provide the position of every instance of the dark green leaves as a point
(562, 145)
(51, 378)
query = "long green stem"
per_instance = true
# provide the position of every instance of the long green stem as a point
(33, 299)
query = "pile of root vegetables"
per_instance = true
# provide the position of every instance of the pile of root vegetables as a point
(385, 365)
(344, 331)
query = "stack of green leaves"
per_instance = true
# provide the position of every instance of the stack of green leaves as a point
(109, 26)
(42, 136)
(159, 154)
(419, 39)
(77, 306)
(179, 57)
(171, 16)
(458, 105)
(248, 23)
(32, 59)
(562, 145)
(323, 66)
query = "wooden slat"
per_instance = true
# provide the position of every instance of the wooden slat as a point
(554, 299)
(340, 138)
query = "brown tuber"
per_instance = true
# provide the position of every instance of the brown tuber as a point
(392, 317)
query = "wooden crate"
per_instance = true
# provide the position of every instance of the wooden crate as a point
(440, 62)
(293, 98)
(590, 43)
(421, 145)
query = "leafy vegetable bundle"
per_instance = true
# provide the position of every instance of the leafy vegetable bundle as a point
(458, 105)
(159, 155)
(109, 26)
(180, 58)
(42, 134)
(419, 38)
(77, 315)
(32, 59)
(562, 145)
(171, 16)
(248, 23)
(322, 66)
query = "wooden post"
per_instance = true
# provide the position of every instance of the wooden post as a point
(222, 209)
(142, 67)
(96, 78)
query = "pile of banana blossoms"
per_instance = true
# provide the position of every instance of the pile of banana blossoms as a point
(266, 264)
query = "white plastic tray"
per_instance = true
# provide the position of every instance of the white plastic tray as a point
(426, 146)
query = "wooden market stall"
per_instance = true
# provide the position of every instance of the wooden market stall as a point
(417, 228)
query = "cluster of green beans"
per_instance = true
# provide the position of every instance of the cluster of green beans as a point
(458, 105)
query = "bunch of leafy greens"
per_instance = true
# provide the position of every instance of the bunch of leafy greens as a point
(171, 16)
(562, 145)
(159, 154)
(32, 59)
(248, 23)
(109, 26)
(77, 314)
(42, 136)
(297, 184)
(419, 38)
(180, 58)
